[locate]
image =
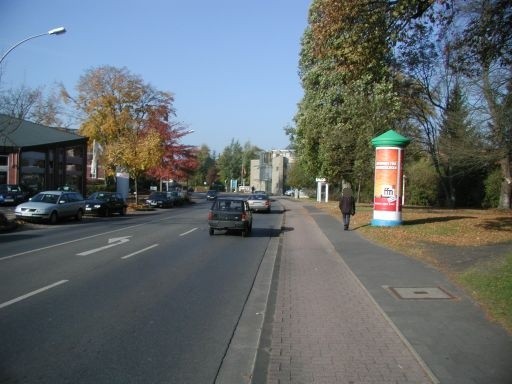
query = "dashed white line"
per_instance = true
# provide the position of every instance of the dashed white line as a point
(139, 251)
(186, 233)
(13, 301)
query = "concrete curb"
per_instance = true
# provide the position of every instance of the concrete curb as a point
(238, 364)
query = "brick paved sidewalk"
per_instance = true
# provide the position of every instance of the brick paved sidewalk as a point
(326, 327)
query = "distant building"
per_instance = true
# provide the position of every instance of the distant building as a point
(40, 157)
(269, 172)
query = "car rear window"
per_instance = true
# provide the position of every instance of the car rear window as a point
(229, 205)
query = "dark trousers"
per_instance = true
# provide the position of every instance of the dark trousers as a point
(346, 219)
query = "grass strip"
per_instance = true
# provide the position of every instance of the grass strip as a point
(491, 284)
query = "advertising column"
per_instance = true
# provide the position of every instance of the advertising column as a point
(389, 159)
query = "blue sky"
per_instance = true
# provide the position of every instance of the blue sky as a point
(231, 64)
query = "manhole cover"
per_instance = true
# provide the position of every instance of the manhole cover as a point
(421, 293)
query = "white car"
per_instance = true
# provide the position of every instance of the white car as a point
(52, 206)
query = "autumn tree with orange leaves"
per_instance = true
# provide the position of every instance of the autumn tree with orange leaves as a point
(130, 119)
(178, 161)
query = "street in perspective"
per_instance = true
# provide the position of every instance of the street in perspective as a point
(152, 297)
(146, 297)
(265, 192)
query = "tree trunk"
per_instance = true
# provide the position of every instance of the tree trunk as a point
(506, 184)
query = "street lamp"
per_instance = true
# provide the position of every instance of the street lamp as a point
(54, 31)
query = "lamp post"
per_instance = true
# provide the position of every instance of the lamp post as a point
(54, 31)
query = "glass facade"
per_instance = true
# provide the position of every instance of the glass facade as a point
(3, 169)
(53, 168)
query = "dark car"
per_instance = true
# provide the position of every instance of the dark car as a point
(105, 204)
(176, 197)
(12, 194)
(211, 194)
(159, 200)
(52, 206)
(230, 214)
(259, 202)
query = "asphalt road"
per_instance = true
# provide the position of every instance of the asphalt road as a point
(145, 298)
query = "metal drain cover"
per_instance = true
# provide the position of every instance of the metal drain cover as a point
(421, 293)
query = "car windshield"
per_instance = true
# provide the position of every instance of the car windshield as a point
(46, 198)
(99, 196)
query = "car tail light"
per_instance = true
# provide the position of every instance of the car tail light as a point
(210, 215)
(244, 216)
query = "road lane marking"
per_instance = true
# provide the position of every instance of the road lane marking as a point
(13, 301)
(186, 233)
(111, 243)
(69, 242)
(140, 251)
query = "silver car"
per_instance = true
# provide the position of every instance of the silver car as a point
(259, 202)
(52, 206)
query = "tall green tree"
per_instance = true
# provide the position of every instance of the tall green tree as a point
(484, 48)
(205, 162)
(230, 162)
(349, 96)
(461, 154)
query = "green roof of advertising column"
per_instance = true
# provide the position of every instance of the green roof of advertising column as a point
(390, 139)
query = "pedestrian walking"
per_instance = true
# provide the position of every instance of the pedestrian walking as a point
(347, 206)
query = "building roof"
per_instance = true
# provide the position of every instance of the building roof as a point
(22, 133)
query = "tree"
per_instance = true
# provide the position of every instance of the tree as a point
(345, 69)
(485, 55)
(461, 154)
(31, 104)
(178, 161)
(128, 118)
(230, 162)
(205, 161)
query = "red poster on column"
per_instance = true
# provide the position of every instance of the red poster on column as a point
(387, 179)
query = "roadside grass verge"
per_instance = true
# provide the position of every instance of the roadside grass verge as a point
(491, 284)
(438, 236)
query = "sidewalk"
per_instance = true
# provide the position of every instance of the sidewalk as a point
(349, 311)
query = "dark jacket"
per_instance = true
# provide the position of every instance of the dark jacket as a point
(347, 203)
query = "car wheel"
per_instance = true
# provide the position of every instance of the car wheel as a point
(53, 218)
(245, 233)
(79, 215)
(211, 231)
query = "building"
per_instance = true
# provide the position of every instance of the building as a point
(40, 157)
(269, 172)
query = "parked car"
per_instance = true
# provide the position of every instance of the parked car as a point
(159, 200)
(105, 204)
(176, 197)
(211, 194)
(259, 202)
(12, 194)
(52, 206)
(230, 214)
(289, 192)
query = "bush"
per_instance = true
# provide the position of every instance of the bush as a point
(492, 189)
(421, 184)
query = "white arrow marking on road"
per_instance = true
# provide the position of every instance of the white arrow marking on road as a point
(111, 243)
